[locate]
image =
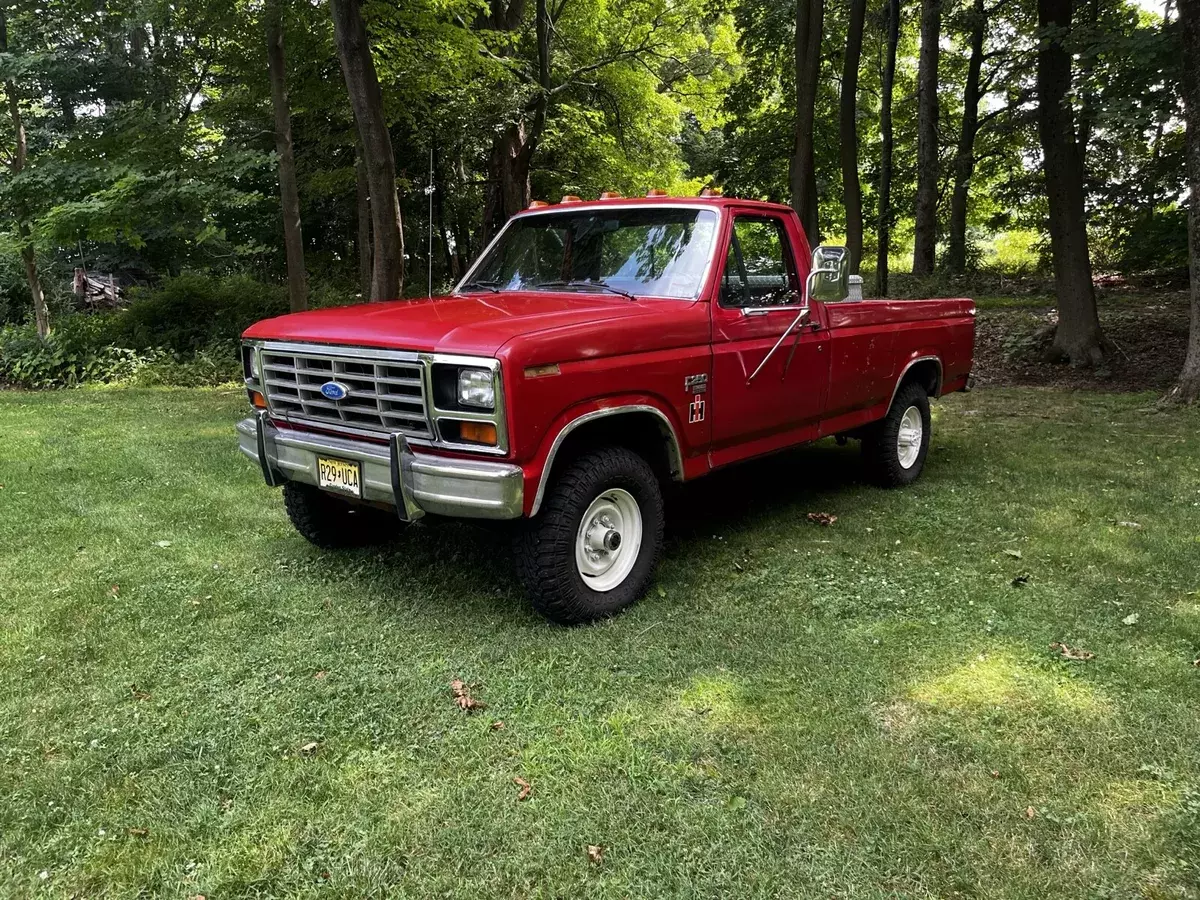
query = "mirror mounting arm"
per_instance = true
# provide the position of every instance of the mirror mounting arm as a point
(804, 311)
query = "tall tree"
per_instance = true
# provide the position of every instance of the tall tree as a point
(366, 99)
(289, 193)
(1078, 337)
(1187, 388)
(884, 230)
(964, 159)
(810, 22)
(848, 134)
(925, 226)
(362, 205)
(16, 165)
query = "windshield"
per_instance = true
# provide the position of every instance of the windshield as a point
(659, 252)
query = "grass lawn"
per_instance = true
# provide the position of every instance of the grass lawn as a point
(195, 701)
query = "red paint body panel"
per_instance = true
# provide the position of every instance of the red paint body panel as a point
(836, 372)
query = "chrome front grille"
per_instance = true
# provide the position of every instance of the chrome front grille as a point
(386, 391)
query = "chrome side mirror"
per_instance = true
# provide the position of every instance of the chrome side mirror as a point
(829, 277)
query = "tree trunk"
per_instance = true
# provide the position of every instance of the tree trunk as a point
(363, 208)
(848, 132)
(925, 227)
(964, 160)
(1187, 388)
(1078, 337)
(289, 194)
(362, 83)
(508, 191)
(16, 166)
(810, 22)
(884, 232)
(439, 217)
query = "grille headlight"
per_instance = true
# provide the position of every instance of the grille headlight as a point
(475, 388)
(250, 362)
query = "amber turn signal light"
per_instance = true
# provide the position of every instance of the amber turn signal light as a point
(478, 433)
(257, 400)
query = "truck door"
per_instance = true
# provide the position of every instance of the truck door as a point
(759, 296)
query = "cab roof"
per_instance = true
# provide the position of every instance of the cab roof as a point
(716, 202)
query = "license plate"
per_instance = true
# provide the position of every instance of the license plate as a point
(339, 476)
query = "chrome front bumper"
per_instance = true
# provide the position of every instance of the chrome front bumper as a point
(414, 483)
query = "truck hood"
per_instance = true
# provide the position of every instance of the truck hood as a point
(475, 324)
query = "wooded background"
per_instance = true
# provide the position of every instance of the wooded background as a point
(322, 143)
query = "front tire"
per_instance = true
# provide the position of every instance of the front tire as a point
(594, 547)
(895, 449)
(332, 523)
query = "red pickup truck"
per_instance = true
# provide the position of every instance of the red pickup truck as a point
(595, 352)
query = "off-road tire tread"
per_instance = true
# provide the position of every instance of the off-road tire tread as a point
(545, 547)
(330, 523)
(879, 444)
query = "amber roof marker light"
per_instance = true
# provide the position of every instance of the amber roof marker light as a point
(712, 192)
(570, 198)
(611, 195)
(537, 204)
(656, 192)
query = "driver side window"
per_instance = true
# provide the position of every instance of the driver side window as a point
(759, 268)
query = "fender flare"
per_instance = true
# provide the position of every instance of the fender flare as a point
(675, 452)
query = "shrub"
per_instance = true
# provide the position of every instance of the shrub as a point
(78, 350)
(191, 312)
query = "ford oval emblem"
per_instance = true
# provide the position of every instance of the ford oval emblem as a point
(331, 390)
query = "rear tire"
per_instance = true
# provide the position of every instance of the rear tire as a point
(594, 547)
(895, 449)
(332, 523)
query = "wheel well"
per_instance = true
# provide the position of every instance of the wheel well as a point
(645, 433)
(927, 373)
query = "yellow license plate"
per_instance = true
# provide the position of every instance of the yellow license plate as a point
(339, 476)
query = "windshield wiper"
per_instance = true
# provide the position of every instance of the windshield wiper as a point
(580, 282)
(492, 286)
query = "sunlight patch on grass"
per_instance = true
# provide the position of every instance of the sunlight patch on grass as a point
(999, 681)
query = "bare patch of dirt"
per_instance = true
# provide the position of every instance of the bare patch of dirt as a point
(1148, 331)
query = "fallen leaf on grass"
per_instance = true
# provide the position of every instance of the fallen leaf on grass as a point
(822, 518)
(595, 853)
(114, 590)
(320, 675)
(497, 725)
(1130, 524)
(525, 786)
(163, 544)
(310, 748)
(1077, 653)
(1196, 663)
(1020, 580)
(462, 697)
(139, 832)
(1030, 812)
(1015, 554)
(138, 693)
(1131, 619)
(995, 773)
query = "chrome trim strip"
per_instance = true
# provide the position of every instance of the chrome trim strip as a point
(911, 363)
(400, 463)
(676, 456)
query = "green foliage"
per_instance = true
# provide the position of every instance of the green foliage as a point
(192, 311)
(79, 350)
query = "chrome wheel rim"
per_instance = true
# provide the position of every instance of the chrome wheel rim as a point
(908, 438)
(609, 540)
